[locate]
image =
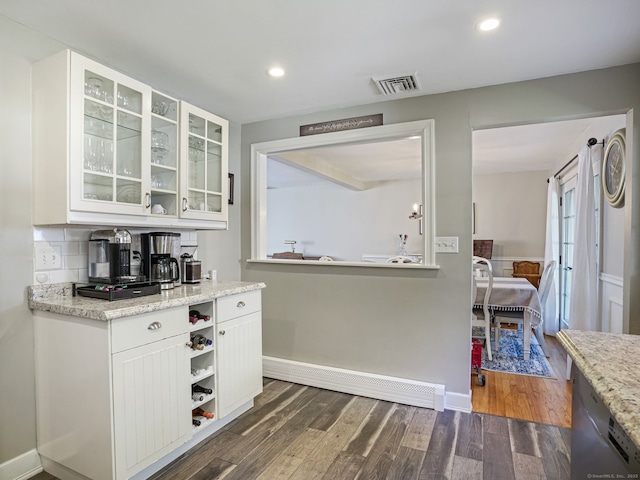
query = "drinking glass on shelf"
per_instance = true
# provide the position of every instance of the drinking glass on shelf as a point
(90, 153)
(93, 88)
(159, 144)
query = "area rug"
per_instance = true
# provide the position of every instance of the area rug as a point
(508, 358)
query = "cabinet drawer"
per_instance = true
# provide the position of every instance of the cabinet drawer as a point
(238, 305)
(131, 332)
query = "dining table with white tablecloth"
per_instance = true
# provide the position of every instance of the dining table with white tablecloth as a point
(516, 295)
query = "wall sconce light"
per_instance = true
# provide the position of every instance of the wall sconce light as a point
(416, 214)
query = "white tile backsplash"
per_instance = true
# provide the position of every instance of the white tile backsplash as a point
(73, 243)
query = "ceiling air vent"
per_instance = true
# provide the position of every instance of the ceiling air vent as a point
(397, 84)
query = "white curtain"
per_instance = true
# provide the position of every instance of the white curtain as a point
(583, 302)
(552, 252)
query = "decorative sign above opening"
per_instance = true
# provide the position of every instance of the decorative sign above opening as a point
(341, 125)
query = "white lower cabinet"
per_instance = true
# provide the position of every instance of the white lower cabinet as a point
(150, 405)
(239, 361)
(239, 341)
(115, 397)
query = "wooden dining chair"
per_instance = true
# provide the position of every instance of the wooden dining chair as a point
(528, 270)
(481, 317)
(518, 317)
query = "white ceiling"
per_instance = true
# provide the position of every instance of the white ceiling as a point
(215, 53)
(396, 159)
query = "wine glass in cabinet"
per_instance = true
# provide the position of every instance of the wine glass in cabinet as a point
(164, 155)
(109, 165)
(204, 157)
(203, 378)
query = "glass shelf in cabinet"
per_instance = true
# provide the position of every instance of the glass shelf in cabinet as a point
(98, 110)
(98, 127)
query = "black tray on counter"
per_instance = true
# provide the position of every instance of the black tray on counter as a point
(128, 290)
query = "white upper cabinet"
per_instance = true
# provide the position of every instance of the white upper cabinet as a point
(203, 157)
(107, 151)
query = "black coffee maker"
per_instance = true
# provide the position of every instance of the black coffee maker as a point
(157, 263)
(110, 257)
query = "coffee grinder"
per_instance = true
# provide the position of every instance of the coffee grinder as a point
(110, 257)
(157, 263)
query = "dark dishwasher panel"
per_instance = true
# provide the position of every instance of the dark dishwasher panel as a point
(599, 446)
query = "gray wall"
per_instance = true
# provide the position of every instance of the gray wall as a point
(416, 325)
(18, 48)
(511, 210)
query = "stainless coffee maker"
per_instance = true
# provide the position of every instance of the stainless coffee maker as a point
(157, 263)
(110, 257)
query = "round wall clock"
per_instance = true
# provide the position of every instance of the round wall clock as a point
(613, 170)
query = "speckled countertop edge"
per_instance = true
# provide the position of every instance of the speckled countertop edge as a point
(57, 298)
(609, 362)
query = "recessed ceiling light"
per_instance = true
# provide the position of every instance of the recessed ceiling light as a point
(489, 24)
(275, 72)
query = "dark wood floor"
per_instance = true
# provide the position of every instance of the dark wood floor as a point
(299, 432)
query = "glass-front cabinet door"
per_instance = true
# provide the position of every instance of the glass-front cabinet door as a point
(203, 156)
(109, 140)
(164, 155)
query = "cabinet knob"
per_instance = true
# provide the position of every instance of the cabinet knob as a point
(240, 304)
(155, 326)
(222, 332)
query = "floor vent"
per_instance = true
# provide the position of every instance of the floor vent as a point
(397, 84)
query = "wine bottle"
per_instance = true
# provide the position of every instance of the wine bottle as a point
(198, 388)
(195, 422)
(197, 397)
(203, 413)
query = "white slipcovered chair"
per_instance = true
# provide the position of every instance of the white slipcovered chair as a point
(481, 317)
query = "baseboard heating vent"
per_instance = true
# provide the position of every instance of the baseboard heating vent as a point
(381, 387)
(397, 84)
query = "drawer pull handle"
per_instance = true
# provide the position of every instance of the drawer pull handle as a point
(222, 332)
(240, 304)
(155, 326)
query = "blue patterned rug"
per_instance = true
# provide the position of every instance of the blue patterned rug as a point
(508, 358)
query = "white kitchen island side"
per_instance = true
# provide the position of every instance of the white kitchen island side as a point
(114, 379)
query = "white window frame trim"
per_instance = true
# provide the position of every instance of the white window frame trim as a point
(259, 152)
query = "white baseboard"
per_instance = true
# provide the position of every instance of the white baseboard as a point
(21, 467)
(458, 401)
(393, 389)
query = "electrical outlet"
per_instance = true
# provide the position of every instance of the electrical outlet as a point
(48, 258)
(446, 244)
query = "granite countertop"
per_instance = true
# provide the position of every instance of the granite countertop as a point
(609, 362)
(57, 298)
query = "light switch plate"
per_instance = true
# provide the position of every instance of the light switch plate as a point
(446, 244)
(48, 258)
